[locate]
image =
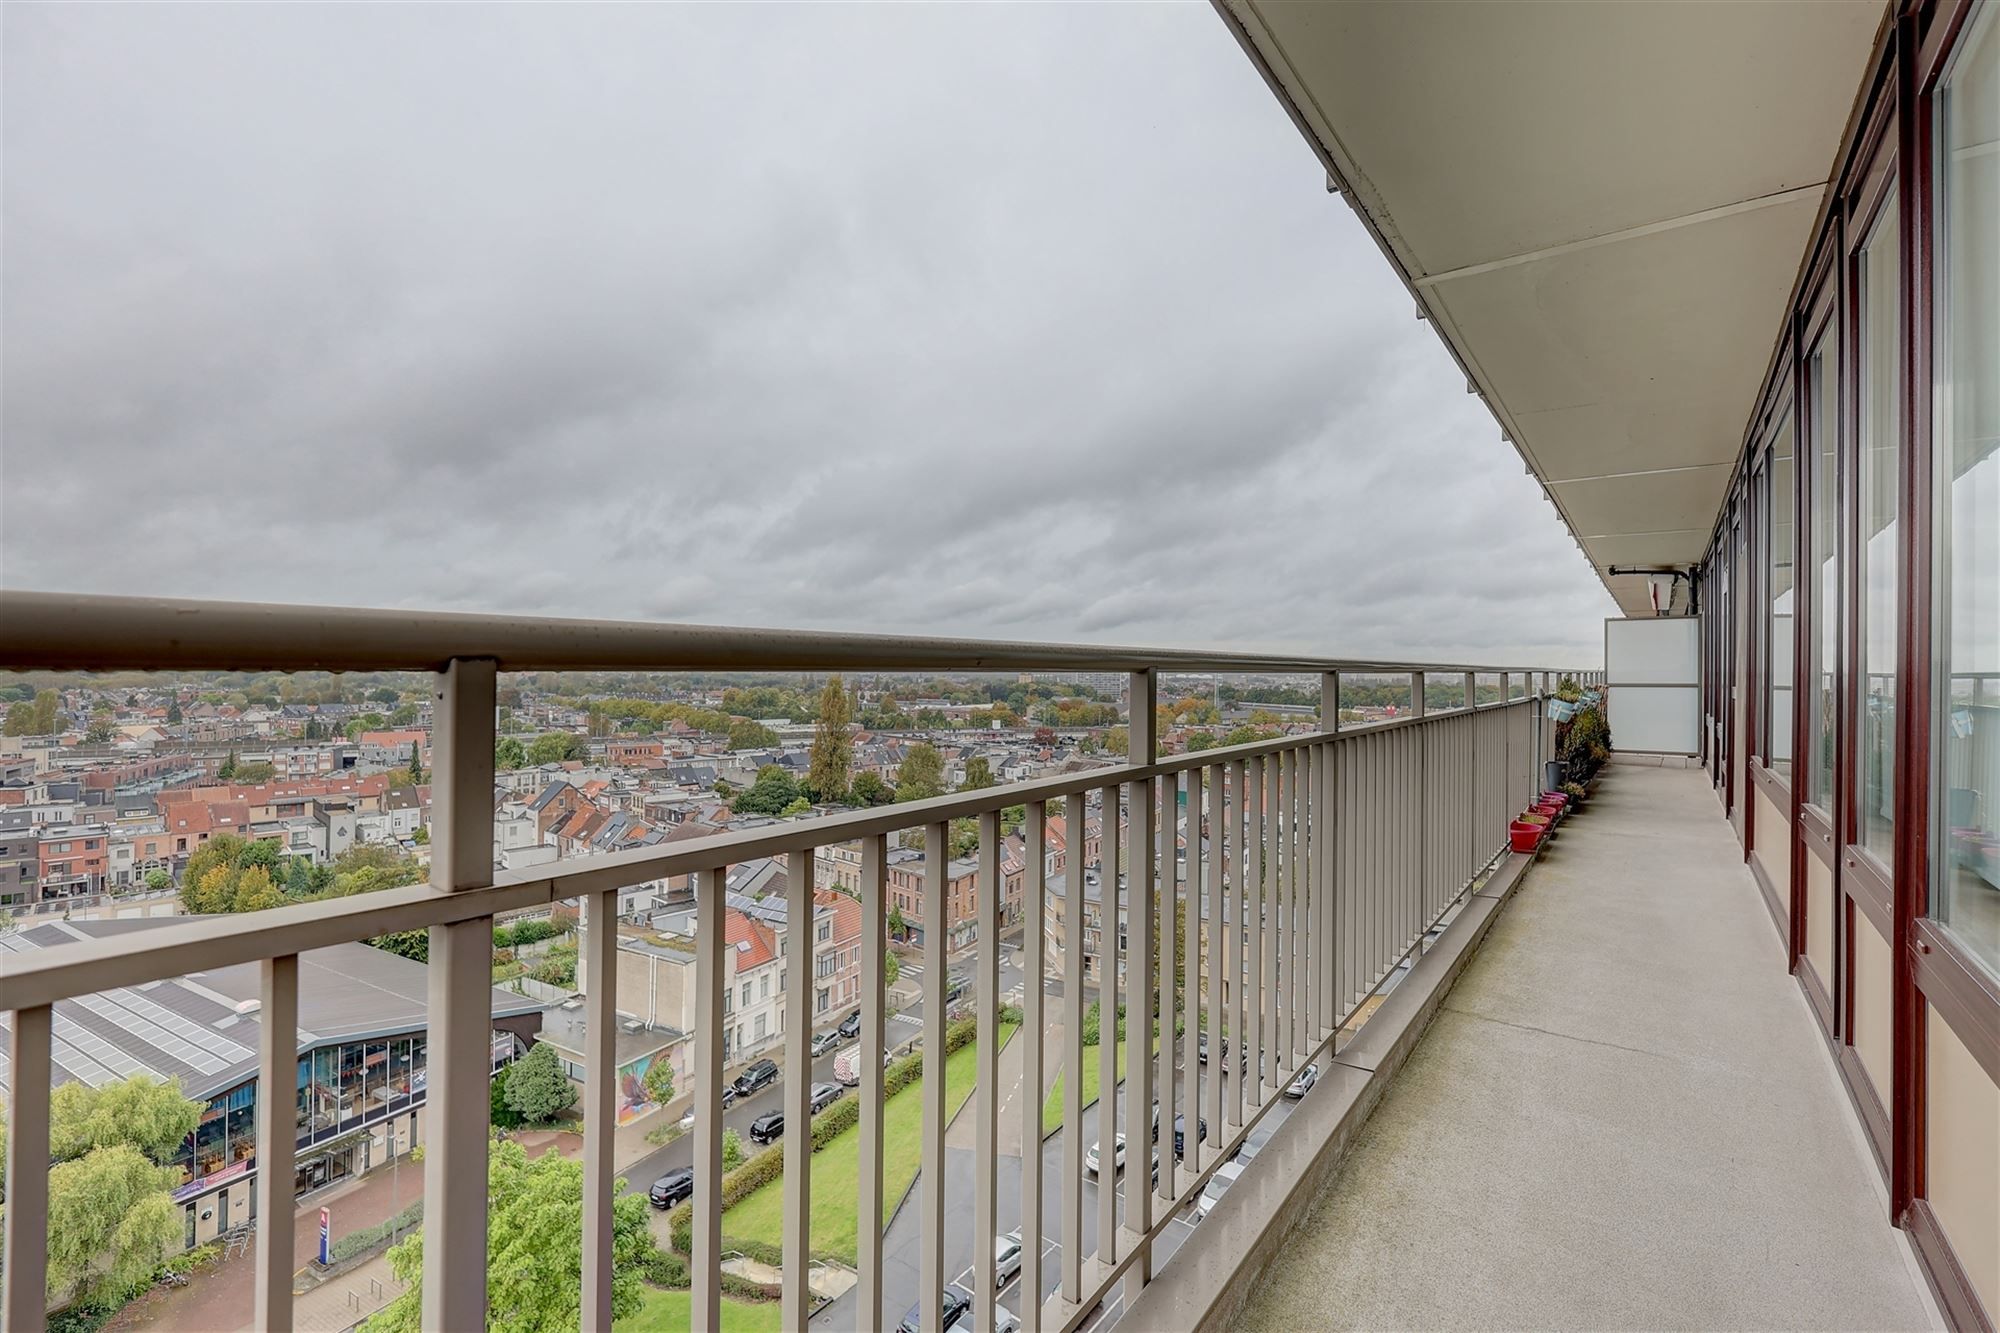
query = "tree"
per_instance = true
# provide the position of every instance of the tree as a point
(832, 759)
(898, 927)
(499, 1114)
(508, 754)
(799, 807)
(141, 1112)
(111, 1223)
(1199, 740)
(537, 1087)
(1117, 741)
(978, 775)
(745, 734)
(732, 1150)
(227, 772)
(100, 731)
(158, 881)
(534, 1248)
(892, 968)
(659, 1080)
(174, 717)
(416, 764)
(869, 789)
(770, 794)
(556, 747)
(921, 775)
(414, 944)
(252, 774)
(111, 1219)
(255, 892)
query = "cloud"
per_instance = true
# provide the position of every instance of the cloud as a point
(1004, 321)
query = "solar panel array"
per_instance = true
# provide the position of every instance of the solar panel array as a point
(92, 1058)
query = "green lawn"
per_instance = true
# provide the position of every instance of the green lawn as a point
(672, 1312)
(836, 1180)
(1052, 1106)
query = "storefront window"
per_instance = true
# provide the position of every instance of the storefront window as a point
(1778, 647)
(1881, 346)
(1822, 377)
(1966, 861)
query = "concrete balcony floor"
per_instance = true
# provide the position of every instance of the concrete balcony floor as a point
(1622, 1117)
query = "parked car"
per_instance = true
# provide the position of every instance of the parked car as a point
(768, 1126)
(829, 1040)
(825, 1095)
(1254, 1144)
(850, 1026)
(671, 1188)
(957, 1304)
(1303, 1084)
(1004, 1321)
(1180, 1130)
(1091, 1159)
(1218, 1185)
(1006, 1259)
(1201, 1048)
(756, 1078)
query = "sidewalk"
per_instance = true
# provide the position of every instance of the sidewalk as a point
(222, 1299)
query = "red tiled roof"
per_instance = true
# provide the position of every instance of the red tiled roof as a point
(756, 943)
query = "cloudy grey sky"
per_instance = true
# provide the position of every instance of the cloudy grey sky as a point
(1015, 321)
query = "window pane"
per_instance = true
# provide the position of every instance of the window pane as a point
(1779, 654)
(1881, 324)
(1822, 375)
(1966, 866)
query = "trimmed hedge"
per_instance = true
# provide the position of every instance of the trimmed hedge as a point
(359, 1242)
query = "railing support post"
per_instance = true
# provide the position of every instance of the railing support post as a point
(29, 1039)
(461, 1005)
(1143, 724)
(600, 1103)
(277, 1136)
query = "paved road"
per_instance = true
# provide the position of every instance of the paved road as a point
(902, 1280)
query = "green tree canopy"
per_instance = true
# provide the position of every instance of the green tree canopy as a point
(556, 747)
(142, 1112)
(509, 753)
(111, 1223)
(770, 794)
(537, 1088)
(869, 789)
(832, 759)
(921, 775)
(659, 1080)
(978, 774)
(534, 1248)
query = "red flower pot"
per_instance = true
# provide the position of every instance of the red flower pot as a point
(1525, 837)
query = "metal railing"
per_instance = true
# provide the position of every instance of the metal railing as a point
(1313, 866)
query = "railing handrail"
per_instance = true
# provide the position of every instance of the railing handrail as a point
(135, 958)
(72, 632)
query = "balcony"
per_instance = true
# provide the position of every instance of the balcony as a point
(1320, 863)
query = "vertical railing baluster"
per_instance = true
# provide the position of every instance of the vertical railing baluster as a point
(936, 916)
(1139, 1090)
(794, 1286)
(1230, 776)
(1256, 964)
(1271, 1069)
(277, 1139)
(1323, 835)
(459, 1083)
(1190, 988)
(1108, 956)
(26, 1251)
(1308, 885)
(985, 1094)
(1034, 921)
(710, 944)
(600, 1102)
(874, 984)
(1169, 923)
(1213, 988)
(1295, 1028)
(1072, 1077)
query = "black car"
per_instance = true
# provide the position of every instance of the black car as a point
(768, 1126)
(756, 1078)
(825, 1095)
(671, 1188)
(1180, 1131)
(957, 1300)
(850, 1026)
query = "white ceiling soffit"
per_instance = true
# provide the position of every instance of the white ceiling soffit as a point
(1602, 207)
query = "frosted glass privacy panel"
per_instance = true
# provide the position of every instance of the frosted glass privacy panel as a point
(1654, 651)
(1654, 719)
